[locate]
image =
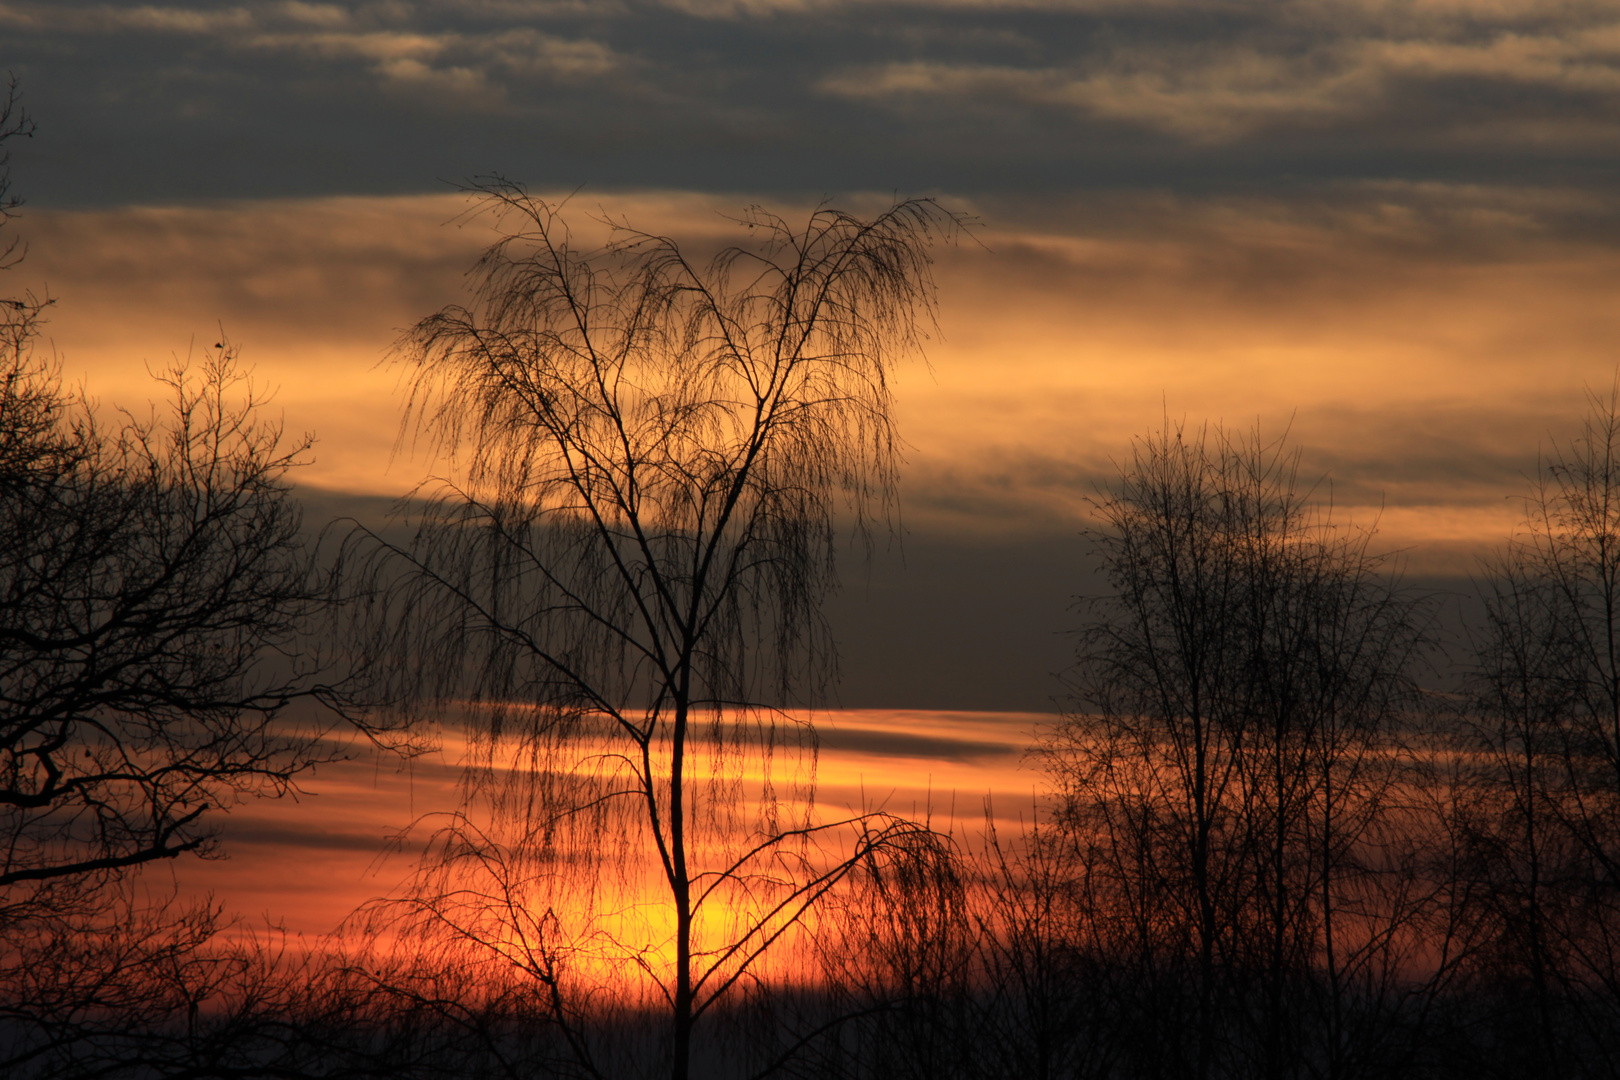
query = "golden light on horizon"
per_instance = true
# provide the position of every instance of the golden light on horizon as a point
(357, 832)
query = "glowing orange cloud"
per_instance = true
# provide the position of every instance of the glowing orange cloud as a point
(1419, 341)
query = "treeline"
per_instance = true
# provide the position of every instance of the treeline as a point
(1278, 847)
(1277, 851)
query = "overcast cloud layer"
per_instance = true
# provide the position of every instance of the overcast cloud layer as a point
(1386, 227)
(155, 101)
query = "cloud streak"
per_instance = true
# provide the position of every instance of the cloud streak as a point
(1419, 342)
(803, 96)
(462, 68)
(1289, 72)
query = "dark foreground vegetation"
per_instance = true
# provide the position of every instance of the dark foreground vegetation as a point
(1276, 849)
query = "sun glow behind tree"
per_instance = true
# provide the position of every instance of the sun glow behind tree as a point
(622, 571)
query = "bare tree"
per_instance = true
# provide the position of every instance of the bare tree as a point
(15, 123)
(981, 965)
(159, 614)
(29, 401)
(1548, 701)
(1229, 779)
(161, 611)
(622, 583)
(157, 591)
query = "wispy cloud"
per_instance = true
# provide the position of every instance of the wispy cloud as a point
(1286, 73)
(470, 66)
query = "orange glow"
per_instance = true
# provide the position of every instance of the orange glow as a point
(308, 863)
(1420, 341)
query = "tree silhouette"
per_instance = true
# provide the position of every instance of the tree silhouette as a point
(160, 605)
(623, 582)
(1229, 781)
(1547, 695)
(154, 577)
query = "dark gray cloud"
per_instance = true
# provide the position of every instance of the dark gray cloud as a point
(948, 623)
(160, 101)
(941, 747)
(243, 830)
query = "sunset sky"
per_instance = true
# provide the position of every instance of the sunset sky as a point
(1389, 228)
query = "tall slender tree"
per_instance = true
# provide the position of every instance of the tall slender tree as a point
(618, 583)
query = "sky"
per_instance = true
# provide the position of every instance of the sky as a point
(355, 831)
(1387, 229)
